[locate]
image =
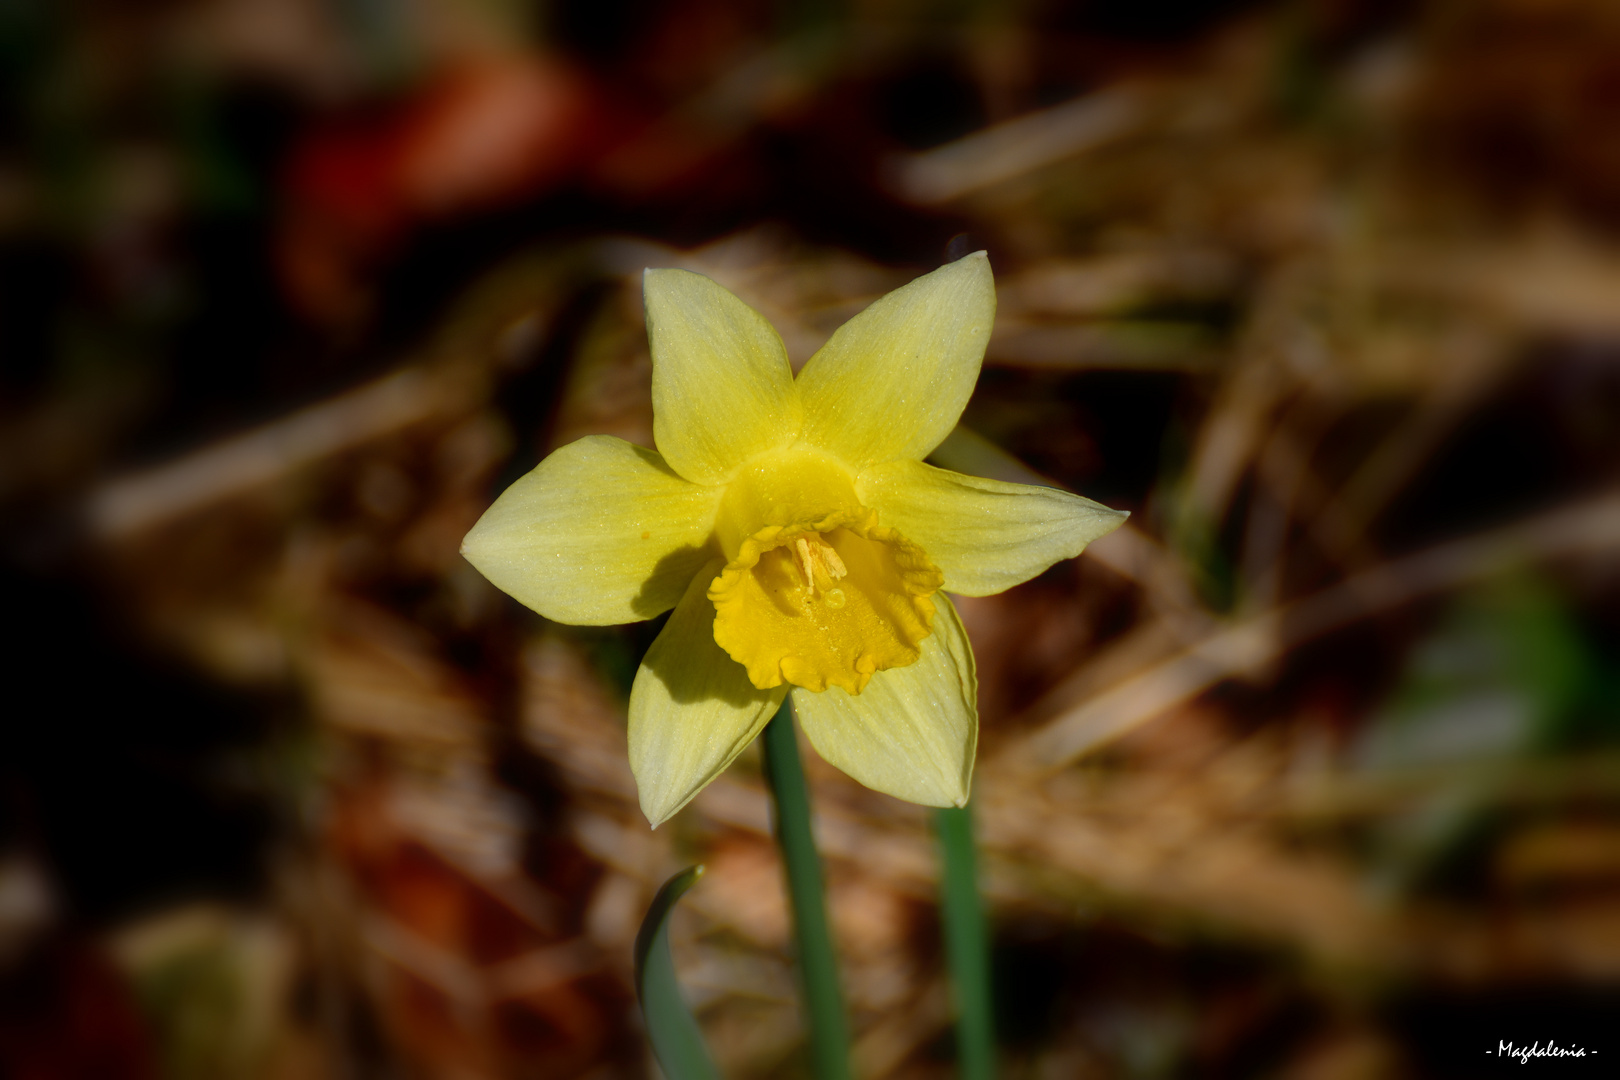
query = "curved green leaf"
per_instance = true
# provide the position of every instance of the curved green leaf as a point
(675, 1038)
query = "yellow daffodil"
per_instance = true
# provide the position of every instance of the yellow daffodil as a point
(793, 527)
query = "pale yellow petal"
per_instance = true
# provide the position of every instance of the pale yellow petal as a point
(722, 387)
(692, 708)
(986, 535)
(913, 731)
(893, 380)
(600, 532)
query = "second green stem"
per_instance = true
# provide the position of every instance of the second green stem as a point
(967, 946)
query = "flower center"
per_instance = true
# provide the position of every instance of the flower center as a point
(816, 592)
(821, 565)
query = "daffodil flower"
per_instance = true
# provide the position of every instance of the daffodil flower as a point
(793, 527)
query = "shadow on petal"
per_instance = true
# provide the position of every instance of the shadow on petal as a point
(682, 564)
(685, 659)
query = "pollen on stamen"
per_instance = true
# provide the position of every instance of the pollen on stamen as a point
(834, 565)
(806, 567)
(819, 565)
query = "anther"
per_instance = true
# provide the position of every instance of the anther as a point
(805, 564)
(821, 566)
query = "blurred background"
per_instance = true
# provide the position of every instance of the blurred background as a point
(1311, 771)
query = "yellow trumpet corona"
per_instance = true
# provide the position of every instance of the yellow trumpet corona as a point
(794, 529)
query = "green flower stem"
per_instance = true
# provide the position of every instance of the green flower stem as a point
(967, 948)
(818, 964)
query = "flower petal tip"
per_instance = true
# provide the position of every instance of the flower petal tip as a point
(977, 262)
(661, 801)
(658, 277)
(661, 810)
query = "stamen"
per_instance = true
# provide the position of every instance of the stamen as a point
(805, 563)
(820, 566)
